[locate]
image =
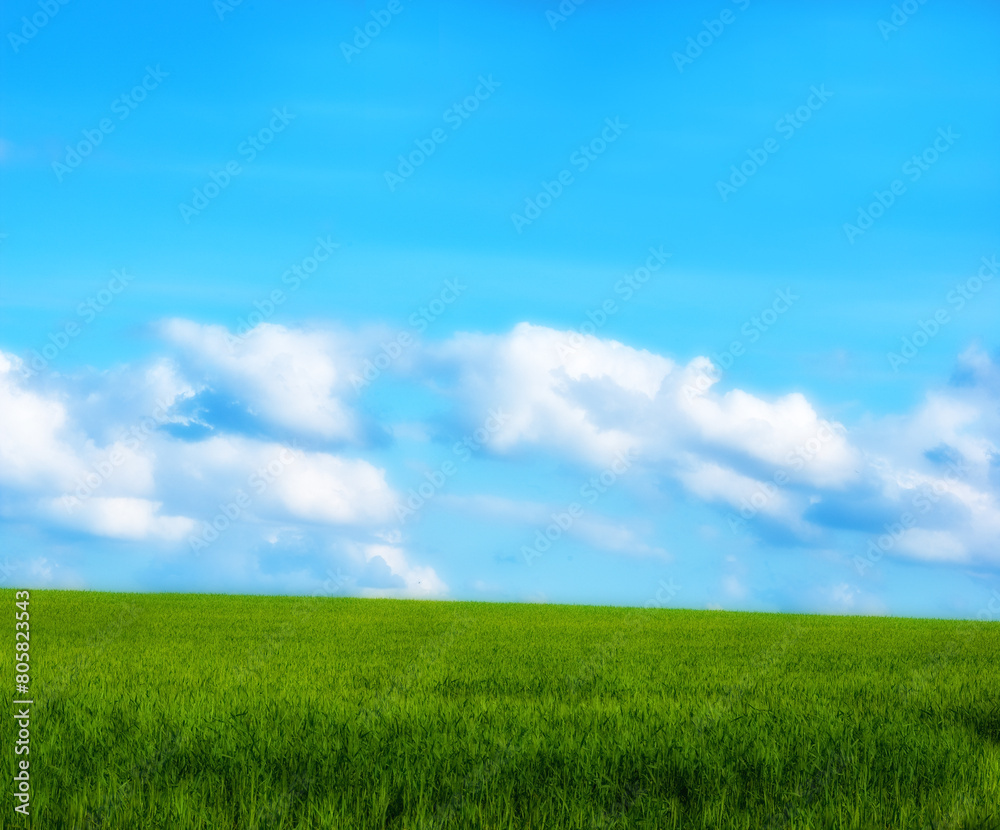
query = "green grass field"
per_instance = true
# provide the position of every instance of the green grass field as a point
(185, 711)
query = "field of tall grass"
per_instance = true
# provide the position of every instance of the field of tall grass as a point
(191, 711)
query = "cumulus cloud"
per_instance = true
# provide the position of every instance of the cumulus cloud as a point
(97, 454)
(45, 456)
(34, 435)
(279, 482)
(554, 394)
(592, 399)
(777, 461)
(596, 398)
(768, 433)
(397, 576)
(119, 518)
(292, 379)
(122, 444)
(144, 483)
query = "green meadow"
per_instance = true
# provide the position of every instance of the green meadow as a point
(203, 711)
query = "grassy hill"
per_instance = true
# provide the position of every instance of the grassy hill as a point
(192, 711)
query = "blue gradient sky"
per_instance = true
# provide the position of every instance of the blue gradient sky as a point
(888, 94)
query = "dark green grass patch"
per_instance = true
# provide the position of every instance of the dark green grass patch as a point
(184, 711)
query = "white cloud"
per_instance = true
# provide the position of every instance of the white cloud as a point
(120, 518)
(581, 399)
(941, 463)
(552, 391)
(932, 545)
(280, 482)
(775, 433)
(712, 482)
(599, 397)
(291, 379)
(94, 453)
(34, 440)
(128, 399)
(585, 399)
(147, 484)
(325, 488)
(417, 582)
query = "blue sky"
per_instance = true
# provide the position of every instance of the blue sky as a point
(381, 185)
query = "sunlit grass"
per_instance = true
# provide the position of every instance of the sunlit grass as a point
(184, 711)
